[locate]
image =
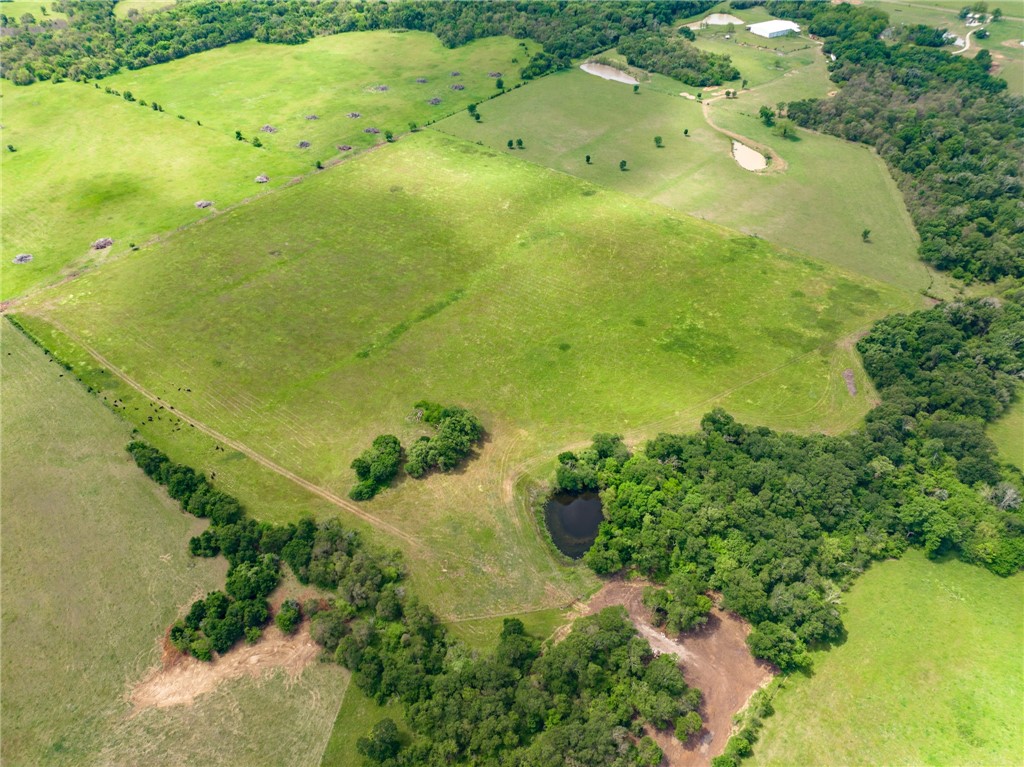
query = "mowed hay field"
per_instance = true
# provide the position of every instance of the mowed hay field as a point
(90, 164)
(95, 566)
(311, 320)
(930, 674)
(248, 85)
(830, 192)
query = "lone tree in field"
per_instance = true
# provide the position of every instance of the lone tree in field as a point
(519, 143)
(686, 131)
(471, 109)
(511, 143)
(636, 88)
(743, 85)
(389, 136)
(622, 164)
(239, 136)
(499, 84)
(588, 159)
(413, 127)
(657, 142)
(257, 143)
(767, 116)
(476, 116)
(865, 236)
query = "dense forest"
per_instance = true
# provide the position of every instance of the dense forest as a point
(95, 43)
(781, 523)
(950, 134)
(589, 695)
(675, 57)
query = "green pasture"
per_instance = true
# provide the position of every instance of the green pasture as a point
(831, 191)
(434, 268)
(930, 674)
(250, 85)
(1008, 434)
(91, 165)
(95, 567)
(758, 60)
(356, 717)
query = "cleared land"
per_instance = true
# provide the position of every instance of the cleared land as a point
(930, 674)
(439, 269)
(138, 173)
(809, 208)
(78, 633)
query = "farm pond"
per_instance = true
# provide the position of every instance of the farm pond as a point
(572, 521)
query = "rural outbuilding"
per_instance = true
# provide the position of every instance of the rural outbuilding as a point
(774, 28)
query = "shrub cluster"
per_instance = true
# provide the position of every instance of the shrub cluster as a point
(458, 431)
(376, 467)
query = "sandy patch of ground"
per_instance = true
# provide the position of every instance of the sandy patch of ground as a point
(714, 659)
(180, 679)
(748, 158)
(608, 73)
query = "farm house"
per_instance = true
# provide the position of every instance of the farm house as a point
(774, 28)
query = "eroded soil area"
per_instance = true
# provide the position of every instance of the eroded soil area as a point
(714, 659)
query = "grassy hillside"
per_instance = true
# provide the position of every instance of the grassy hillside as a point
(95, 566)
(91, 165)
(930, 674)
(137, 173)
(802, 208)
(433, 268)
(249, 85)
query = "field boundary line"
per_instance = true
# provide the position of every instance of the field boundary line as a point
(241, 447)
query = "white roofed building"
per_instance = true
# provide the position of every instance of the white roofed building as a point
(774, 28)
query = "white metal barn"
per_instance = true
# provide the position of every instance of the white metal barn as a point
(774, 28)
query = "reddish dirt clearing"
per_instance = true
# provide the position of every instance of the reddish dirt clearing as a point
(715, 660)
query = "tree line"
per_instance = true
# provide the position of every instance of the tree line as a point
(677, 58)
(781, 524)
(590, 695)
(95, 43)
(952, 137)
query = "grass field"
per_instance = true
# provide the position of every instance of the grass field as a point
(19, 8)
(248, 85)
(356, 717)
(439, 269)
(78, 631)
(929, 675)
(803, 208)
(137, 173)
(1008, 434)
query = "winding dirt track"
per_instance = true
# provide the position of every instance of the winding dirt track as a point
(777, 164)
(259, 458)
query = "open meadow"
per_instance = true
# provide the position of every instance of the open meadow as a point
(929, 674)
(1008, 434)
(808, 207)
(79, 632)
(138, 173)
(434, 268)
(135, 174)
(376, 75)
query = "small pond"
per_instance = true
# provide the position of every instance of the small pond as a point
(748, 159)
(608, 73)
(573, 521)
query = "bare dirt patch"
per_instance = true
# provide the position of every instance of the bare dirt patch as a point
(181, 679)
(714, 659)
(608, 73)
(851, 383)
